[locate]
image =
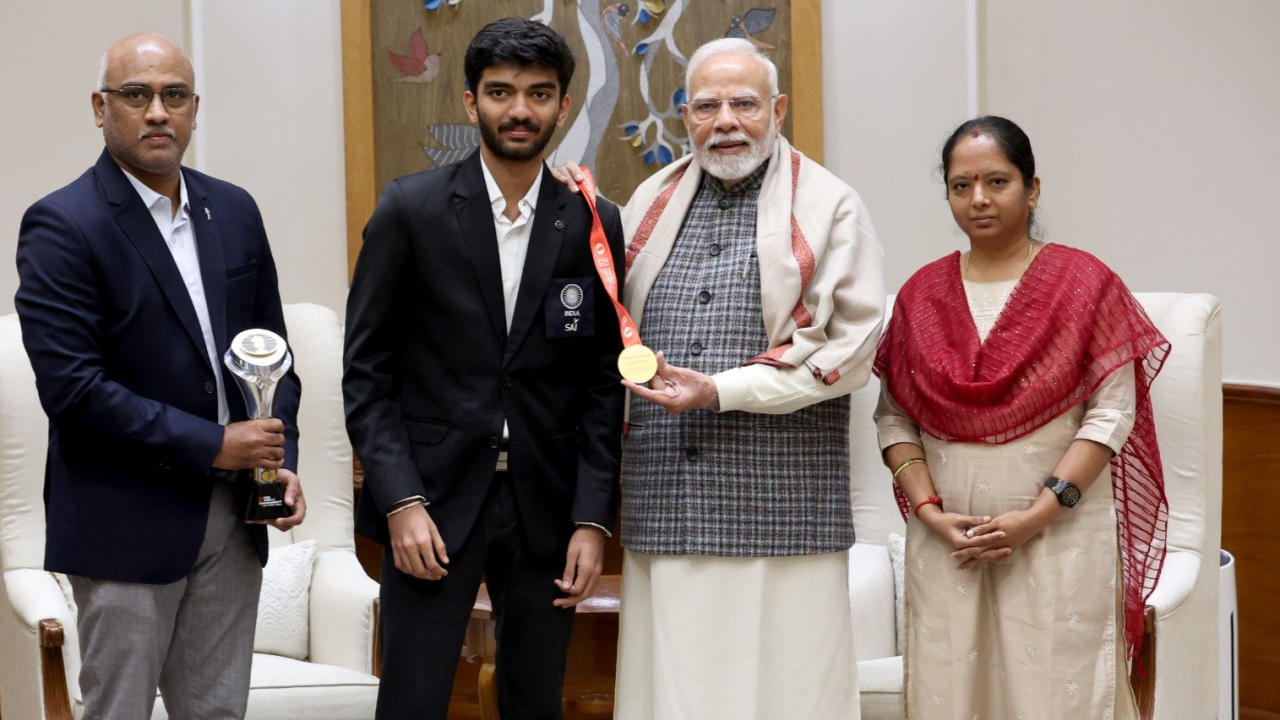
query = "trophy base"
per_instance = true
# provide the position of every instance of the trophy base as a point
(267, 502)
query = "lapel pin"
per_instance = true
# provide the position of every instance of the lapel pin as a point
(208, 215)
(559, 225)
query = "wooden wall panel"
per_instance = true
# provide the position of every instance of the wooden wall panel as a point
(1251, 532)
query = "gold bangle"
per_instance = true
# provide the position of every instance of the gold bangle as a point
(912, 461)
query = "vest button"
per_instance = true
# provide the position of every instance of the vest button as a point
(691, 453)
(704, 297)
(715, 249)
(696, 348)
(724, 203)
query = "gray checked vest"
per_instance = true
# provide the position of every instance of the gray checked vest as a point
(734, 483)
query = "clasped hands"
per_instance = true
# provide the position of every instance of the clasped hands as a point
(979, 540)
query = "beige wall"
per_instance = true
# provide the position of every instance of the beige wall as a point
(49, 55)
(272, 122)
(894, 75)
(269, 75)
(1154, 125)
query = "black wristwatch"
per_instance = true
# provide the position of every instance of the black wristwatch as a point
(1068, 494)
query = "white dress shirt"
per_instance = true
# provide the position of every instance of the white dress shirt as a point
(513, 235)
(179, 236)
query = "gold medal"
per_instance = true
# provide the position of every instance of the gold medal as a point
(637, 363)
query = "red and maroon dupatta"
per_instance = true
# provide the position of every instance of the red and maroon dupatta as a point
(1069, 323)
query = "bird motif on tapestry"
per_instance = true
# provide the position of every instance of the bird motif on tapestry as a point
(456, 142)
(612, 16)
(756, 21)
(420, 65)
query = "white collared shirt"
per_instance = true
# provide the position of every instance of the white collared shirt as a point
(513, 235)
(179, 236)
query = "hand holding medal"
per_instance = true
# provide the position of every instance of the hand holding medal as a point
(681, 389)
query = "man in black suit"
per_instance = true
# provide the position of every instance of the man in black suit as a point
(482, 393)
(132, 281)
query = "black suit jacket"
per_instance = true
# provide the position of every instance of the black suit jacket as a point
(123, 373)
(431, 371)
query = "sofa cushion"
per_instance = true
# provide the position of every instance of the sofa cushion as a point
(880, 688)
(283, 604)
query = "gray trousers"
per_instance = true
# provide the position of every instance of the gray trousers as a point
(193, 638)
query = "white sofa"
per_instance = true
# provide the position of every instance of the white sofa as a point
(335, 679)
(1187, 397)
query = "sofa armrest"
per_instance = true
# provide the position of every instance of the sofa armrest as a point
(1177, 580)
(871, 601)
(35, 596)
(1184, 625)
(343, 621)
(42, 615)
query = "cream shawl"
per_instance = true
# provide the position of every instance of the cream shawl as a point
(820, 263)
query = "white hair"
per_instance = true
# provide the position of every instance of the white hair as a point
(729, 46)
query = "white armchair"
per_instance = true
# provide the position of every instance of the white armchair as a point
(39, 655)
(1181, 649)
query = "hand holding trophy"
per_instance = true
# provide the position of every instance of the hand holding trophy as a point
(259, 359)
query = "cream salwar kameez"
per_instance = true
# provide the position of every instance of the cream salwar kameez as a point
(1038, 636)
(717, 638)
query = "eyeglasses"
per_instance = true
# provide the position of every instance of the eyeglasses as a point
(745, 107)
(140, 96)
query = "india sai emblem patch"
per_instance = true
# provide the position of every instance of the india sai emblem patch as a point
(570, 307)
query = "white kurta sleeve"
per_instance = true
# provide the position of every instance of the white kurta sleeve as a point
(1109, 411)
(893, 425)
(772, 390)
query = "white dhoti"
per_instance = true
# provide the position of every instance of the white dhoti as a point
(711, 638)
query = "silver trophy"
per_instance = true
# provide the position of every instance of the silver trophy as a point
(258, 359)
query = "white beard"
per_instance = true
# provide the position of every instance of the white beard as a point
(732, 168)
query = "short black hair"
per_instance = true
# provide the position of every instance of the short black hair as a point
(520, 41)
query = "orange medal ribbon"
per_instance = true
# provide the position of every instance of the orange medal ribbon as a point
(636, 362)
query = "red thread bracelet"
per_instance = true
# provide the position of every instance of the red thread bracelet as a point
(931, 500)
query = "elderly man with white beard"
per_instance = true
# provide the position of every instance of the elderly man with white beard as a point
(757, 274)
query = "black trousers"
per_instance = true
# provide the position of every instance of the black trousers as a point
(424, 622)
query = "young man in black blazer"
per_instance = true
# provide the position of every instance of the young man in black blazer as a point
(482, 393)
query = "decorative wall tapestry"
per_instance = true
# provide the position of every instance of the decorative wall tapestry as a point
(626, 91)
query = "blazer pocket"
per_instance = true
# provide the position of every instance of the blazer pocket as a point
(239, 271)
(425, 433)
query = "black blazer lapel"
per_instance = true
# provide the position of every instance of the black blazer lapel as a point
(545, 240)
(475, 222)
(134, 219)
(213, 262)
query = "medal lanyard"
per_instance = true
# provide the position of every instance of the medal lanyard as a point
(603, 258)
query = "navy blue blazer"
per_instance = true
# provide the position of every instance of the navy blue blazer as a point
(123, 373)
